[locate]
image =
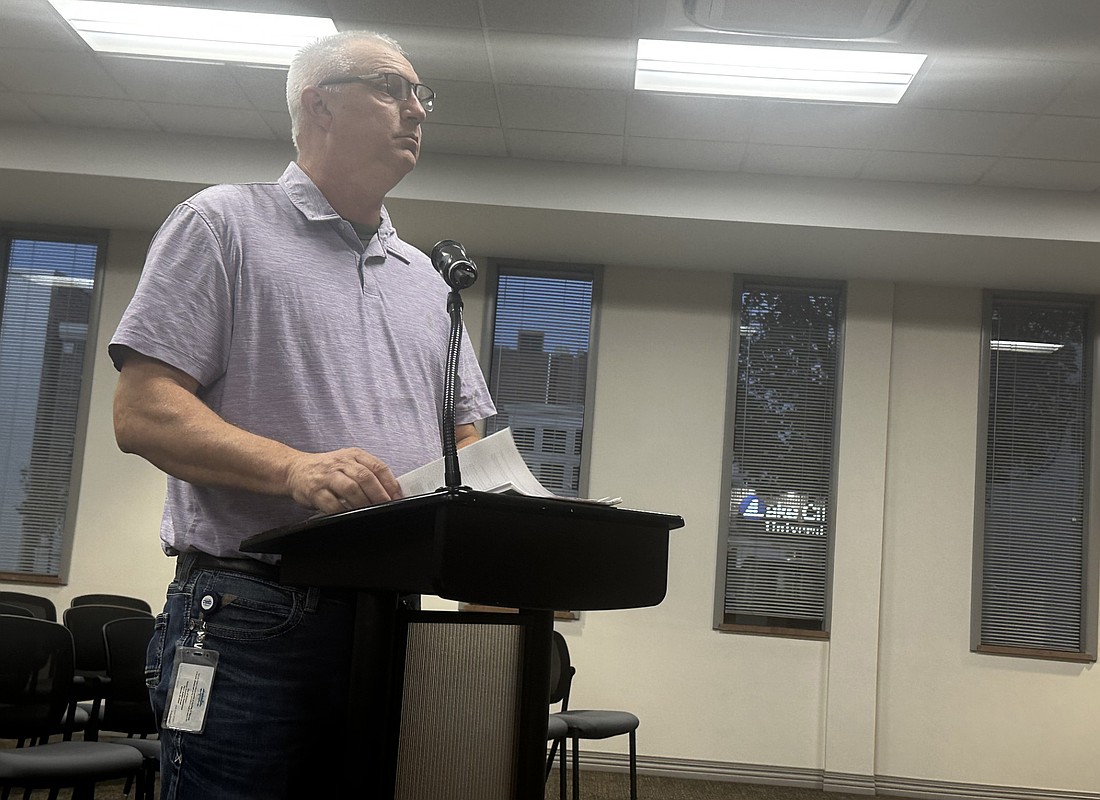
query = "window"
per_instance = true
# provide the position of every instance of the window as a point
(541, 367)
(47, 296)
(775, 543)
(1034, 581)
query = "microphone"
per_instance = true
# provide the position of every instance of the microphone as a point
(450, 260)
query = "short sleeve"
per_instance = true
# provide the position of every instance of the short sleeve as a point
(181, 313)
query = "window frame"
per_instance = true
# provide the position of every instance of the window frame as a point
(1091, 535)
(542, 269)
(728, 445)
(67, 235)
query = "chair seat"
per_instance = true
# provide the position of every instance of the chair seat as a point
(149, 748)
(596, 724)
(556, 727)
(55, 763)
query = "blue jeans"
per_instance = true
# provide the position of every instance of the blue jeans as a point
(278, 703)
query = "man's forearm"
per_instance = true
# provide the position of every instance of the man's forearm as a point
(159, 417)
(174, 430)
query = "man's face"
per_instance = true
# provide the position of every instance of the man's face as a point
(371, 129)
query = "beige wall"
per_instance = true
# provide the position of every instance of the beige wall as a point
(896, 691)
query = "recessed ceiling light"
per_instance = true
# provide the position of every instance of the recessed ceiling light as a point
(796, 73)
(191, 33)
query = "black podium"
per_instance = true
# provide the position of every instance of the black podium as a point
(454, 704)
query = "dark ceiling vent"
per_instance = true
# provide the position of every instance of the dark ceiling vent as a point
(809, 19)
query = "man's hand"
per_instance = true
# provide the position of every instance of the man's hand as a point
(340, 480)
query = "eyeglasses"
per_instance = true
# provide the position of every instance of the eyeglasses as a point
(396, 86)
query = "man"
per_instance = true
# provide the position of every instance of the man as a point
(283, 355)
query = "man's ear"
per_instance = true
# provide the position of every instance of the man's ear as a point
(315, 106)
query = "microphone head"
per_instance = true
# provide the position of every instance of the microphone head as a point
(446, 253)
(450, 260)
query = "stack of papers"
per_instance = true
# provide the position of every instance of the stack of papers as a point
(492, 464)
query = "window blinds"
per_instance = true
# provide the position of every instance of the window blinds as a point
(1036, 457)
(781, 472)
(47, 292)
(538, 375)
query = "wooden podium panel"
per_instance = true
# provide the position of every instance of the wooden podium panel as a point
(535, 554)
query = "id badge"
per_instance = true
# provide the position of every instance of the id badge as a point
(189, 692)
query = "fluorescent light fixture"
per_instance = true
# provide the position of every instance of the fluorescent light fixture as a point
(794, 73)
(1009, 346)
(196, 34)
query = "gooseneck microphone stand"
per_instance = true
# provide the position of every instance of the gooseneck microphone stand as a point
(450, 260)
(451, 468)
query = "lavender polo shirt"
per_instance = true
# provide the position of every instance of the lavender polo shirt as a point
(295, 332)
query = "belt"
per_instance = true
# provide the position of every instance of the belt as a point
(245, 566)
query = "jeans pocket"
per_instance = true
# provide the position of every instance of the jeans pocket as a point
(253, 609)
(154, 654)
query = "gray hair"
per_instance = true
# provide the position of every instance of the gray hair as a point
(327, 57)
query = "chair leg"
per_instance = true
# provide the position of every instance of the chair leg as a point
(550, 758)
(633, 767)
(576, 768)
(561, 772)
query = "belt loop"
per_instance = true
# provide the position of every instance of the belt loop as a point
(185, 562)
(313, 598)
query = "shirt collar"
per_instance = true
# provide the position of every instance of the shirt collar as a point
(307, 198)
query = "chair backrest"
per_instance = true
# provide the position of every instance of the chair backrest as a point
(86, 625)
(36, 676)
(16, 611)
(40, 607)
(561, 672)
(111, 600)
(127, 708)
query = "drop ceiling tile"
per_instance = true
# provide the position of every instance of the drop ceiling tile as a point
(453, 13)
(573, 110)
(264, 87)
(13, 109)
(96, 112)
(184, 82)
(587, 148)
(459, 55)
(820, 162)
(974, 133)
(612, 18)
(464, 103)
(819, 124)
(671, 116)
(464, 140)
(925, 167)
(55, 72)
(279, 124)
(1063, 138)
(207, 121)
(573, 61)
(642, 151)
(1006, 27)
(1081, 97)
(1030, 173)
(33, 23)
(988, 84)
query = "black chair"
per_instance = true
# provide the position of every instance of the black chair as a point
(561, 674)
(126, 707)
(36, 675)
(15, 611)
(111, 600)
(85, 623)
(40, 607)
(589, 723)
(556, 731)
